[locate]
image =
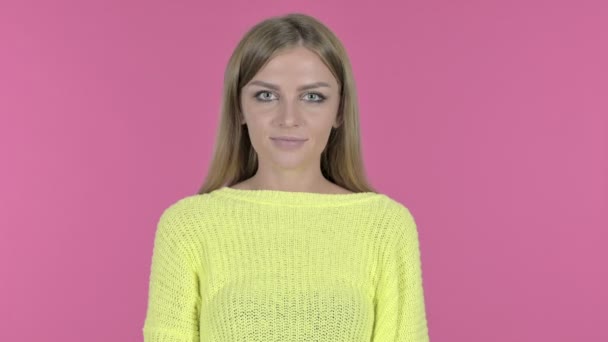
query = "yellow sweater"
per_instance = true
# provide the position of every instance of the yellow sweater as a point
(264, 265)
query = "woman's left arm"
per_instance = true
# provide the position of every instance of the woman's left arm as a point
(399, 303)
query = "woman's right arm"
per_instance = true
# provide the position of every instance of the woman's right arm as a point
(173, 296)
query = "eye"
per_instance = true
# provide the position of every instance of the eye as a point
(263, 98)
(316, 97)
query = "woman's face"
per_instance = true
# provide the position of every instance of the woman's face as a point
(294, 94)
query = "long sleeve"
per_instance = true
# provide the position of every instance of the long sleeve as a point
(173, 297)
(400, 304)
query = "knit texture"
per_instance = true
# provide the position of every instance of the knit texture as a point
(266, 265)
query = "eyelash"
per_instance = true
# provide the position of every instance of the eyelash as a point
(321, 98)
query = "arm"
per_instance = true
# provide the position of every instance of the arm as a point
(399, 304)
(173, 297)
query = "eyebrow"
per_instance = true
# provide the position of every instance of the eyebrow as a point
(304, 87)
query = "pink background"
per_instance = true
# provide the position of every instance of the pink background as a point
(488, 119)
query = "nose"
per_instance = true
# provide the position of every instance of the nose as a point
(289, 113)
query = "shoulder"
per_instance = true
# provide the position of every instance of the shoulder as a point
(184, 216)
(180, 207)
(399, 220)
(394, 208)
(186, 204)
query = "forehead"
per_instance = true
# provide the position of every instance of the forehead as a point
(295, 65)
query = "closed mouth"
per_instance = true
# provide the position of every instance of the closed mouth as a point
(288, 138)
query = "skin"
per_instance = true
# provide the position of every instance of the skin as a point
(309, 113)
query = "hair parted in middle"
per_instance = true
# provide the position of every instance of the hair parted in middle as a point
(234, 158)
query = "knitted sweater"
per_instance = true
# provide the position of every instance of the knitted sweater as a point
(265, 265)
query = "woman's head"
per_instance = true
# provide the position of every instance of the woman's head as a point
(263, 98)
(293, 95)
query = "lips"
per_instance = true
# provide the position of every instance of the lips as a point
(288, 138)
(288, 143)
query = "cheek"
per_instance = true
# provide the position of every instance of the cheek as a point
(321, 133)
(258, 132)
(251, 105)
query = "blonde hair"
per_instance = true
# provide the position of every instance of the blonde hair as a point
(234, 158)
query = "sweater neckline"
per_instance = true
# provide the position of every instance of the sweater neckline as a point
(295, 198)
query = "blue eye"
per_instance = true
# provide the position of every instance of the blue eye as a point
(320, 98)
(257, 96)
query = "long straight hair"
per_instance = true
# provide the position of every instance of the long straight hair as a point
(234, 158)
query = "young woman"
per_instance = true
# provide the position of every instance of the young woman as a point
(286, 240)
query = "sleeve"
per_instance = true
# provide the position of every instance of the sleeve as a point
(400, 313)
(173, 296)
